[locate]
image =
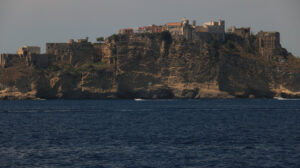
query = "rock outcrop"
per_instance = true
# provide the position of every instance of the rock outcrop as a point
(157, 66)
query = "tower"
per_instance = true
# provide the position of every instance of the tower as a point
(221, 24)
(194, 23)
(184, 22)
(269, 43)
(186, 30)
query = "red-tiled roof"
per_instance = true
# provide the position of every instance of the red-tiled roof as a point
(143, 28)
(127, 29)
(174, 24)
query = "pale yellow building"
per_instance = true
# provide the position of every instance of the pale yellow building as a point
(178, 28)
(215, 27)
(28, 50)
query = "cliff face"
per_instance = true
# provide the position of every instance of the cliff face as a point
(159, 66)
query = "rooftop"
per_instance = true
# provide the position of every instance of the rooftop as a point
(174, 24)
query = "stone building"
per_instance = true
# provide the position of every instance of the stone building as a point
(72, 52)
(155, 29)
(215, 27)
(206, 30)
(7, 59)
(128, 31)
(186, 29)
(194, 32)
(149, 29)
(28, 50)
(269, 43)
(244, 32)
(142, 29)
(38, 60)
(29, 55)
(174, 27)
(67, 48)
(182, 28)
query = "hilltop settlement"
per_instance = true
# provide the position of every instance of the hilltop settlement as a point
(175, 60)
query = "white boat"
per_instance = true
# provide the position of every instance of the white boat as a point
(138, 99)
(280, 98)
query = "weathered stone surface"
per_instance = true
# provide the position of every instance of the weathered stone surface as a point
(155, 66)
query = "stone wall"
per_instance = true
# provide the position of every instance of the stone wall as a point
(205, 36)
(38, 60)
(269, 43)
(57, 48)
(27, 50)
(7, 60)
(215, 27)
(243, 32)
(270, 40)
(74, 52)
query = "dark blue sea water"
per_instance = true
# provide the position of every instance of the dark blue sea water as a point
(146, 134)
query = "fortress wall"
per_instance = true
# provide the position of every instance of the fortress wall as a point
(57, 48)
(40, 60)
(243, 32)
(73, 52)
(8, 59)
(269, 43)
(206, 36)
(269, 39)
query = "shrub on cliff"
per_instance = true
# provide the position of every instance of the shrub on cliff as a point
(114, 37)
(166, 36)
(100, 39)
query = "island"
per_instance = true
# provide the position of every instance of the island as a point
(178, 60)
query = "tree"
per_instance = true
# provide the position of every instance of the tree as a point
(166, 36)
(100, 39)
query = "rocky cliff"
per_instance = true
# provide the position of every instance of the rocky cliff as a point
(157, 66)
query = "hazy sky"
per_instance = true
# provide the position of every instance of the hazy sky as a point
(35, 22)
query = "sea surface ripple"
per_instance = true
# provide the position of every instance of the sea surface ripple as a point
(148, 134)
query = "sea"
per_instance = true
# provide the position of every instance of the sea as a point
(213, 133)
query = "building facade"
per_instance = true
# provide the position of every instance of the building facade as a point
(215, 27)
(149, 29)
(128, 31)
(182, 28)
(174, 27)
(269, 43)
(244, 32)
(28, 50)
